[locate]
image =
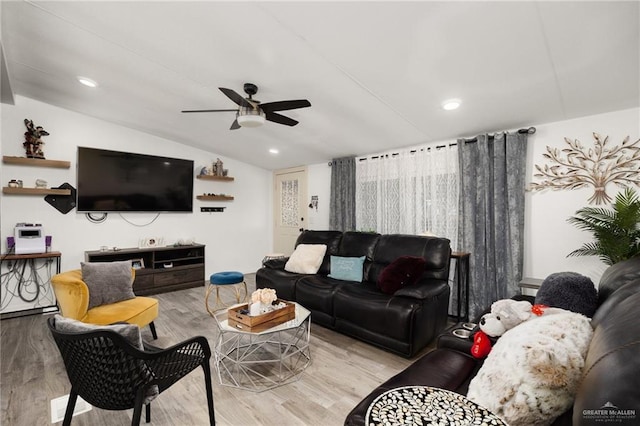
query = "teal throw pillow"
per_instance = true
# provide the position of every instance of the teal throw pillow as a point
(347, 268)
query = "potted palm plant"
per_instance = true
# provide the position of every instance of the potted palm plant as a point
(616, 232)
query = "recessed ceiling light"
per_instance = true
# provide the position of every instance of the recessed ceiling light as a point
(87, 81)
(451, 104)
(273, 151)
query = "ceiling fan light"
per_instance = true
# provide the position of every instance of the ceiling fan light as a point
(251, 120)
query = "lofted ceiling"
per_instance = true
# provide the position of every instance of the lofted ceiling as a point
(375, 73)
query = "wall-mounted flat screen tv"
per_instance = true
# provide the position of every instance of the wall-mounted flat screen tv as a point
(114, 181)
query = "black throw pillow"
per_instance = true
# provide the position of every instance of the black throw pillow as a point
(403, 271)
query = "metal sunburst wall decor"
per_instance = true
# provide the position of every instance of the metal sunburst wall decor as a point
(578, 166)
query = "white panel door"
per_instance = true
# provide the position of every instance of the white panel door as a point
(290, 193)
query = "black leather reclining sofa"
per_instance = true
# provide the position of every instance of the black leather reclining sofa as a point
(403, 322)
(610, 374)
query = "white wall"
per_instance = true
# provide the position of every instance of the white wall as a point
(235, 240)
(548, 236)
(319, 183)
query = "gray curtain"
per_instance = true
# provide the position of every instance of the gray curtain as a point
(342, 206)
(491, 221)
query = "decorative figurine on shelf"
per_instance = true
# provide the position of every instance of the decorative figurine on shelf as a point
(32, 142)
(218, 167)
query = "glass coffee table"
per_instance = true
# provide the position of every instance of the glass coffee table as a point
(258, 361)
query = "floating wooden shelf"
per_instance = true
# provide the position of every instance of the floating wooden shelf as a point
(213, 177)
(39, 162)
(214, 198)
(35, 191)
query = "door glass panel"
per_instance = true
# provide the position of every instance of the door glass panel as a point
(289, 208)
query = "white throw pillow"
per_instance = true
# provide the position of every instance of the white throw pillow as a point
(306, 259)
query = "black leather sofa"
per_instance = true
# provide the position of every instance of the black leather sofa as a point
(404, 322)
(610, 374)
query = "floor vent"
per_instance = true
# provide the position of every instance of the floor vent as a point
(59, 406)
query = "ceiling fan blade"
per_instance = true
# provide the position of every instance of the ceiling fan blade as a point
(235, 125)
(211, 110)
(235, 97)
(280, 119)
(285, 105)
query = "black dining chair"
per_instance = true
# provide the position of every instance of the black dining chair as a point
(109, 373)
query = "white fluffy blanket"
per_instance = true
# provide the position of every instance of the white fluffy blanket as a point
(532, 373)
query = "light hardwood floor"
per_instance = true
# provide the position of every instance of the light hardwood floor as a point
(343, 370)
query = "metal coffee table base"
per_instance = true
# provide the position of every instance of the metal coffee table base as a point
(259, 362)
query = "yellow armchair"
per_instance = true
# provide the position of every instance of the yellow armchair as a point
(73, 299)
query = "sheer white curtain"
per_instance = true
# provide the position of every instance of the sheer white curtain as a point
(410, 192)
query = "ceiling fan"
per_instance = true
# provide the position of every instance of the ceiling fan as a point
(252, 113)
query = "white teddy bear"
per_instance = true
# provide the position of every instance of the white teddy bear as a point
(505, 314)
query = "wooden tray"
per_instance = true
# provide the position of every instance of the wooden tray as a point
(260, 322)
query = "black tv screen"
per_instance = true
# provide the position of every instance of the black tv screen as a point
(114, 181)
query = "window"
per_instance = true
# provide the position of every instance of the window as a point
(411, 192)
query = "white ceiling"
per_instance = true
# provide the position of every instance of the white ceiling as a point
(375, 72)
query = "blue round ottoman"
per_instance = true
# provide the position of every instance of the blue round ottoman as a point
(234, 279)
(227, 277)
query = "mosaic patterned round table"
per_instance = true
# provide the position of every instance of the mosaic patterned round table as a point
(424, 405)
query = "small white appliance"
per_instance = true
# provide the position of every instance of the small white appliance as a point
(29, 239)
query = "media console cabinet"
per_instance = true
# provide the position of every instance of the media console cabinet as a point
(161, 269)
